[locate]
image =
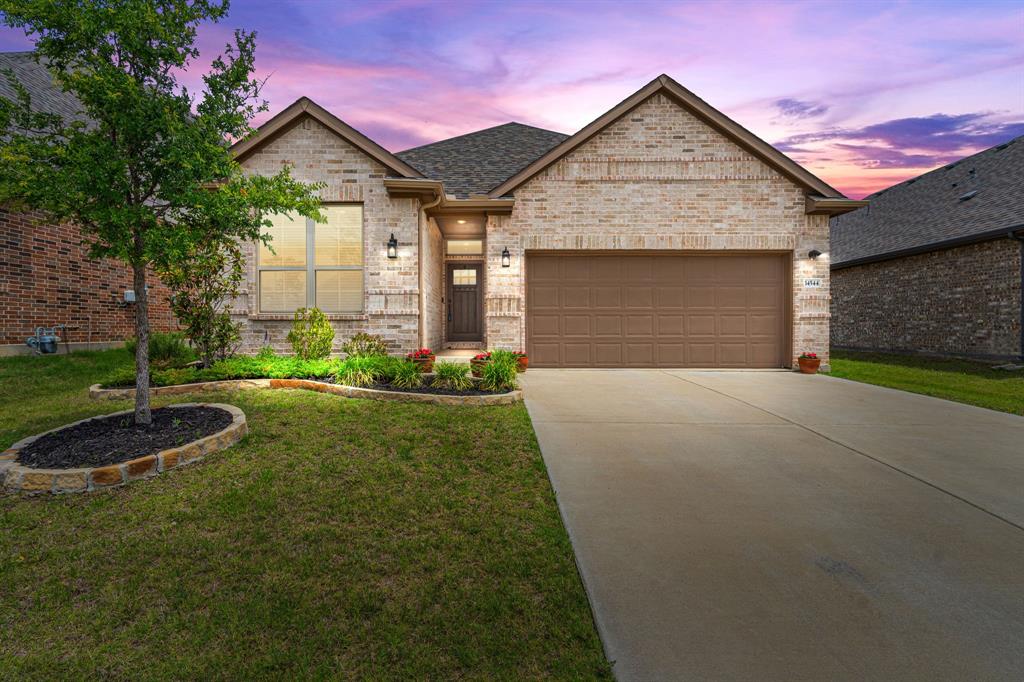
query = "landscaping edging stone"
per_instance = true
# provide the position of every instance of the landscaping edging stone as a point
(96, 392)
(16, 478)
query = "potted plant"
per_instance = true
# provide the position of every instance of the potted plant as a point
(424, 357)
(478, 362)
(522, 361)
(809, 363)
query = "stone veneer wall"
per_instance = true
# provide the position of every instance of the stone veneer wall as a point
(960, 301)
(658, 178)
(391, 296)
(47, 278)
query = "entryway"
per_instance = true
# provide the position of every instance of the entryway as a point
(464, 301)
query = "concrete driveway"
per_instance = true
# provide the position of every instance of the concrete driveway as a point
(776, 526)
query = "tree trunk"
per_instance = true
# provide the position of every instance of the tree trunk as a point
(142, 412)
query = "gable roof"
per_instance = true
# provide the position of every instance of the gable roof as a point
(46, 95)
(976, 198)
(304, 106)
(696, 106)
(472, 164)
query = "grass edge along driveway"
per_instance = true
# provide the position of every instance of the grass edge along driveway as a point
(341, 538)
(962, 381)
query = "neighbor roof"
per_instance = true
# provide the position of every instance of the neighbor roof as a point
(45, 94)
(474, 163)
(976, 198)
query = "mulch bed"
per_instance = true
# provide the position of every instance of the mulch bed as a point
(111, 440)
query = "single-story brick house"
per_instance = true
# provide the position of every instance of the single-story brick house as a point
(45, 276)
(934, 264)
(661, 234)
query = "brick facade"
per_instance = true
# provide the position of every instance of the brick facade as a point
(658, 178)
(391, 287)
(46, 278)
(960, 301)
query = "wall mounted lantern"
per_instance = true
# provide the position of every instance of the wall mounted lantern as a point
(506, 258)
(392, 247)
(813, 254)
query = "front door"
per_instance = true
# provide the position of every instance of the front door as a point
(465, 303)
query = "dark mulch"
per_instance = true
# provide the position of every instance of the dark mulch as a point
(111, 440)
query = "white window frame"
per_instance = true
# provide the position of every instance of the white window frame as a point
(311, 268)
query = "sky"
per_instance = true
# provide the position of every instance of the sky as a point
(864, 94)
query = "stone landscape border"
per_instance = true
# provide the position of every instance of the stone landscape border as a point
(96, 392)
(16, 478)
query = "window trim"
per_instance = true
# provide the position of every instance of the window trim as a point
(311, 268)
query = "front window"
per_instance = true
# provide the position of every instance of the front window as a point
(313, 264)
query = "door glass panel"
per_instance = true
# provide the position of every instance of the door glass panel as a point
(464, 277)
(465, 247)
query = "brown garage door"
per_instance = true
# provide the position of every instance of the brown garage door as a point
(666, 310)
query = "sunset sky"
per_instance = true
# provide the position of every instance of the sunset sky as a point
(864, 94)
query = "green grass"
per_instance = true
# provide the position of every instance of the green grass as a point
(964, 381)
(340, 539)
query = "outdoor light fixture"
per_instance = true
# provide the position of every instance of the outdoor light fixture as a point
(813, 254)
(392, 247)
(460, 221)
(506, 258)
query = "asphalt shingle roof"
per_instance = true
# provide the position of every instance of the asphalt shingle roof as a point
(45, 94)
(478, 162)
(977, 194)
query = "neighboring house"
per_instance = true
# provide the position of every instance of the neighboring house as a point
(662, 234)
(45, 275)
(934, 264)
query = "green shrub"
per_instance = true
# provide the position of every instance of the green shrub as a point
(312, 335)
(406, 374)
(266, 353)
(500, 373)
(452, 376)
(362, 371)
(365, 345)
(166, 349)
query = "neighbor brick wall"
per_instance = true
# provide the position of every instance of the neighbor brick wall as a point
(46, 278)
(391, 300)
(962, 301)
(658, 178)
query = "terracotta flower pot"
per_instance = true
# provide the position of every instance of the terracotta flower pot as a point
(426, 364)
(809, 365)
(476, 367)
(523, 363)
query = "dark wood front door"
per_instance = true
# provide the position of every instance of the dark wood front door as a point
(465, 302)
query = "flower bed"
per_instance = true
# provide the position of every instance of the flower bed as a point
(110, 450)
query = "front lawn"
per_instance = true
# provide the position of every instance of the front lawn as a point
(964, 381)
(341, 538)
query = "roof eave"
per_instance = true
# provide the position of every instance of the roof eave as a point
(429, 190)
(695, 105)
(966, 240)
(830, 206)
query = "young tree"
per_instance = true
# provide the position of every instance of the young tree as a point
(146, 171)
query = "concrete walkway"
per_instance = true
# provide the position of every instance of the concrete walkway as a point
(775, 526)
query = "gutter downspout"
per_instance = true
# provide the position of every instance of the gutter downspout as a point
(1014, 233)
(423, 225)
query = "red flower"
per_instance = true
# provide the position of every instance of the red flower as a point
(421, 354)
(482, 357)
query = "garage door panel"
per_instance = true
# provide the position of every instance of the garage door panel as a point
(576, 354)
(576, 325)
(543, 296)
(607, 297)
(608, 354)
(668, 310)
(732, 325)
(639, 297)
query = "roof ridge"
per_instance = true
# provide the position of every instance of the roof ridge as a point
(476, 132)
